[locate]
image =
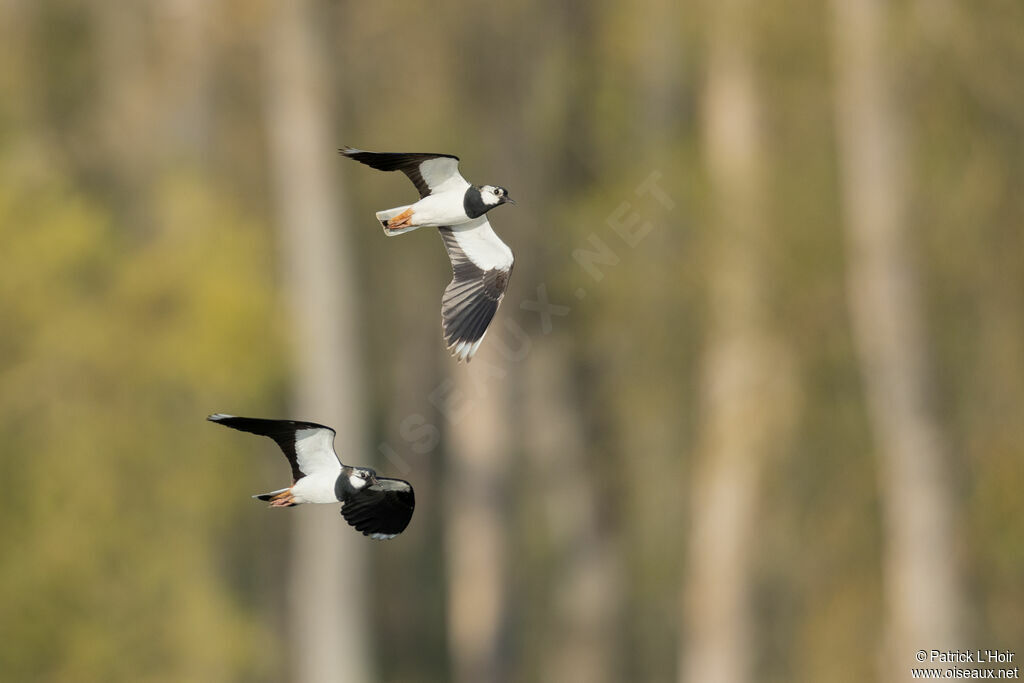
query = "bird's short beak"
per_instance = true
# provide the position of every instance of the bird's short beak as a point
(508, 200)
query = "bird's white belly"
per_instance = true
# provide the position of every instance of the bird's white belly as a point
(440, 209)
(316, 488)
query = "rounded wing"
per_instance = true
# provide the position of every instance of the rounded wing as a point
(428, 172)
(308, 446)
(481, 268)
(381, 510)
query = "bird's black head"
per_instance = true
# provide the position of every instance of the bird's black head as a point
(480, 200)
(352, 480)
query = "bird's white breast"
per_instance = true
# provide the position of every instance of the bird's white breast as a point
(441, 208)
(317, 488)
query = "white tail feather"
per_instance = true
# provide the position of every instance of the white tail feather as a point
(388, 214)
(268, 496)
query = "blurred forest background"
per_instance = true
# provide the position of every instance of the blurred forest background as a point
(751, 410)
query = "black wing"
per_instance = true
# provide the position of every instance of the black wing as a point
(471, 298)
(308, 446)
(381, 510)
(427, 171)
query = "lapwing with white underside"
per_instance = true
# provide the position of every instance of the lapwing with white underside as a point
(377, 506)
(481, 262)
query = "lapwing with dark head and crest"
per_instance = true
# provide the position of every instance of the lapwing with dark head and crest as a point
(377, 506)
(481, 262)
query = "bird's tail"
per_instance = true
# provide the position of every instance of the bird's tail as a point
(387, 215)
(278, 498)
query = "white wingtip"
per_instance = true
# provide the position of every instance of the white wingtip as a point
(217, 417)
(462, 350)
(382, 537)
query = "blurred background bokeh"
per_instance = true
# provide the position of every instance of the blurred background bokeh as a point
(751, 410)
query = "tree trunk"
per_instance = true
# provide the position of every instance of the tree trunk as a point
(660, 78)
(327, 591)
(187, 49)
(921, 581)
(586, 587)
(124, 134)
(476, 526)
(747, 382)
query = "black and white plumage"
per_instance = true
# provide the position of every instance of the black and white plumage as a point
(377, 506)
(481, 262)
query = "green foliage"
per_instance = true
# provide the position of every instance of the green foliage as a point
(122, 507)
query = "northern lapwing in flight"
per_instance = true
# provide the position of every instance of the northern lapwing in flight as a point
(377, 506)
(481, 262)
